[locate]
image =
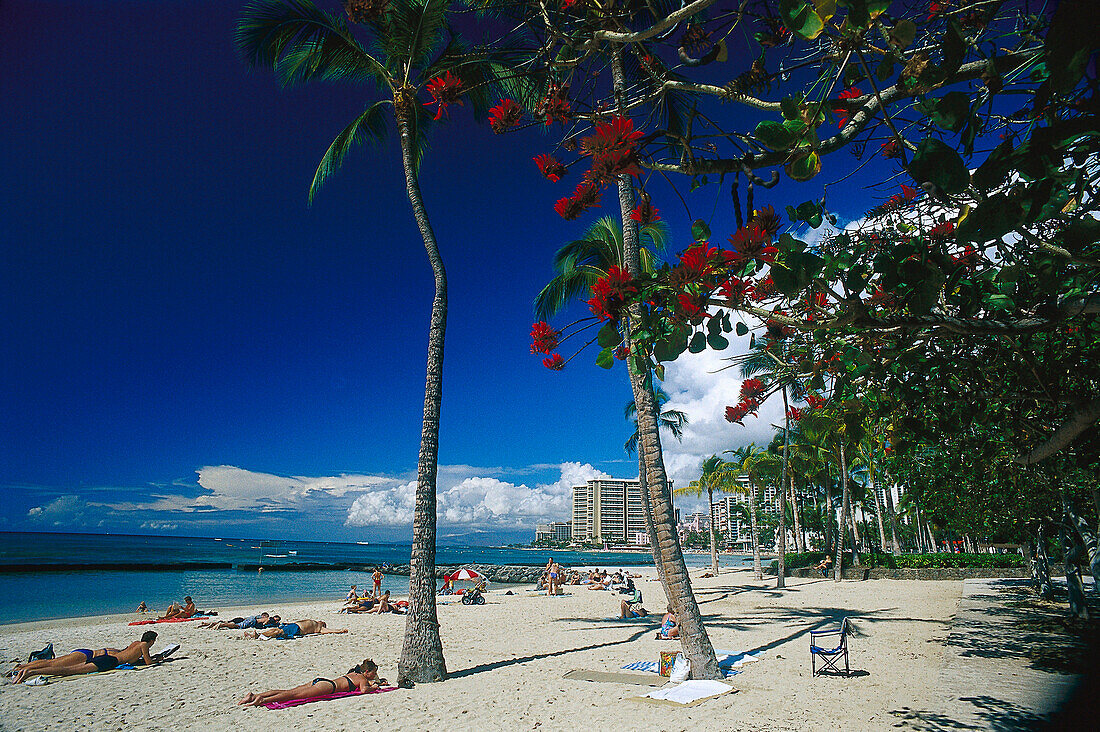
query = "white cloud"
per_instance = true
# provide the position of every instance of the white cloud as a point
(61, 511)
(476, 500)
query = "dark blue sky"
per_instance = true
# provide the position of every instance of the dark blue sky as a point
(171, 303)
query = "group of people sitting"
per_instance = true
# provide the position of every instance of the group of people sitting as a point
(176, 611)
(369, 604)
(86, 660)
(621, 581)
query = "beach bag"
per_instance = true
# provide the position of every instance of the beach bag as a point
(668, 660)
(44, 655)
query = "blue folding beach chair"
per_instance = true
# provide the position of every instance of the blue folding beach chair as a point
(831, 650)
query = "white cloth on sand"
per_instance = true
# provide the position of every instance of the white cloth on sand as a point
(689, 691)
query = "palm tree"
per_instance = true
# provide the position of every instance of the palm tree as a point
(745, 458)
(580, 263)
(717, 475)
(673, 421)
(414, 49)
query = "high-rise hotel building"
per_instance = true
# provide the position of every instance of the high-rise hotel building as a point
(609, 510)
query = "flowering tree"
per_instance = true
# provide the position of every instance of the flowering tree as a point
(982, 113)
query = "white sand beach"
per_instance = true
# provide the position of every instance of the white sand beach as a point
(506, 661)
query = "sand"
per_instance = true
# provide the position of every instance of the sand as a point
(506, 661)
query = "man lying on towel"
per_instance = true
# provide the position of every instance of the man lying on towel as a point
(85, 661)
(287, 631)
(362, 677)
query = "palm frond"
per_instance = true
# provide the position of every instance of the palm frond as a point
(370, 126)
(420, 125)
(559, 291)
(415, 31)
(301, 42)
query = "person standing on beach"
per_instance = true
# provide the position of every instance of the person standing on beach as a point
(377, 577)
(553, 585)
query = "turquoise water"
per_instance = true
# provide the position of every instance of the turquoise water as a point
(30, 590)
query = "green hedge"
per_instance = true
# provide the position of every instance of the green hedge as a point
(910, 561)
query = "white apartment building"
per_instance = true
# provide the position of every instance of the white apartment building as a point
(554, 531)
(609, 510)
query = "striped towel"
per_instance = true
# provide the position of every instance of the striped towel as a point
(643, 666)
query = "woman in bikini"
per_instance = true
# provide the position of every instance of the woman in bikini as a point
(85, 661)
(363, 676)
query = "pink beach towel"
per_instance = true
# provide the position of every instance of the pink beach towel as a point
(324, 697)
(170, 620)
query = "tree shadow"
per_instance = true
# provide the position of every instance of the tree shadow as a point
(992, 714)
(482, 668)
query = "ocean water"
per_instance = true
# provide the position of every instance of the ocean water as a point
(56, 575)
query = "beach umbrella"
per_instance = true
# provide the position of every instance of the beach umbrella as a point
(470, 575)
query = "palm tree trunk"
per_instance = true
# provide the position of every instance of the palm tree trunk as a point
(644, 486)
(878, 507)
(796, 512)
(785, 481)
(422, 651)
(757, 570)
(844, 503)
(713, 533)
(892, 514)
(667, 552)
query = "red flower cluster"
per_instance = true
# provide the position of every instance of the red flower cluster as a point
(549, 166)
(765, 288)
(842, 112)
(941, 231)
(613, 149)
(544, 338)
(585, 196)
(895, 202)
(608, 293)
(751, 242)
(504, 116)
(967, 258)
(554, 362)
(445, 91)
(621, 352)
(936, 9)
(554, 105)
(815, 401)
(692, 306)
(751, 389)
(882, 298)
(891, 149)
(645, 212)
(742, 410)
(737, 290)
(794, 414)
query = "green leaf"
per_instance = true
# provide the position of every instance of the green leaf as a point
(804, 167)
(742, 329)
(717, 341)
(698, 343)
(954, 50)
(605, 359)
(801, 18)
(699, 230)
(659, 371)
(951, 110)
(940, 165)
(609, 336)
(992, 173)
(1070, 41)
(670, 347)
(998, 302)
(774, 135)
(791, 107)
(903, 33)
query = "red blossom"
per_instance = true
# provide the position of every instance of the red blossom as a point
(764, 289)
(794, 414)
(504, 116)
(549, 166)
(544, 338)
(445, 91)
(554, 105)
(941, 231)
(554, 362)
(692, 306)
(615, 137)
(697, 259)
(909, 193)
(842, 112)
(815, 401)
(737, 290)
(882, 298)
(967, 258)
(936, 9)
(743, 409)
(751, 242)
(891, 149)
(584, 197)
(751, 389)
(608, 293)
(645, 212)
(621, 352)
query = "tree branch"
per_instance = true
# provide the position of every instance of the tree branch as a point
(1082, 418)
(685, 12)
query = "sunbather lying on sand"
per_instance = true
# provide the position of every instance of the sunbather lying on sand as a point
(85, 661)
(175, 610)
(362, 676)
(295, 630)
(261, 621)
(632, 608)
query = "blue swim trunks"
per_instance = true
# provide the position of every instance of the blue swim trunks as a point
(290, 630)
